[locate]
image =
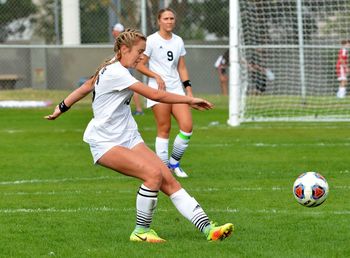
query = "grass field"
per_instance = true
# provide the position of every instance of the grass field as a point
(56, 203)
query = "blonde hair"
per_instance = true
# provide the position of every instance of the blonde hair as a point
(128, 38)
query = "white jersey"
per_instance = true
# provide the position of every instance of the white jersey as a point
(163, 59)
(113, 122)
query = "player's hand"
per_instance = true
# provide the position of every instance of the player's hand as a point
(160, 82)
(56, 113)
(201, 104)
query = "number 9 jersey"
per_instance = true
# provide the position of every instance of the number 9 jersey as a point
(163, 59)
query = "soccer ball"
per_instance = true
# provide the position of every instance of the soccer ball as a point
(310, 189)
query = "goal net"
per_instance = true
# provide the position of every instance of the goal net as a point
(288, 52)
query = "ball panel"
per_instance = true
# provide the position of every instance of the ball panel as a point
(318, 192)
(299, 191)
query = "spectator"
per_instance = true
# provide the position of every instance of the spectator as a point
(342, 68)
(222, 64)
(117, 29)
(260, 74)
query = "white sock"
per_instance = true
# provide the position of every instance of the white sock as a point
(146, 203)
(180, 146)
(161, 147)
(190, 209)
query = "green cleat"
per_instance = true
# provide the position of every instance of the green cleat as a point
(146, 236)
(215, 233)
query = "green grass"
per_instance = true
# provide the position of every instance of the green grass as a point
(292, 106)
(56, 203)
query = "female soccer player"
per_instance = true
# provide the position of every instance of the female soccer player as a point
(115, 142)
(165, 55)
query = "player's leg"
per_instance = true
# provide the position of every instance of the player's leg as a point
(224, 83)
(188, 206)
(183, 116)
(138, 105)
(342, 82)
(162, 115)
(133, 163)
(192, 210)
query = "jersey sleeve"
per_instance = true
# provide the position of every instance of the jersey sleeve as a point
(115, 78)
(148, 50)
(182, 50)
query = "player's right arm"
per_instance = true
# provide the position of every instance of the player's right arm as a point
(170, 98)
(71, 99)
(142, 68)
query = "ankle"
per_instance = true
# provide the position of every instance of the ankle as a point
(207, 229)
(174, 165)
(141, 229)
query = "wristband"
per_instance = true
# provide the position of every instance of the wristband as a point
(62, 106)
(187, 83)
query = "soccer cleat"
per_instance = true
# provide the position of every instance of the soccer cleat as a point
(148, 236)
(215, 233)
(177, 170)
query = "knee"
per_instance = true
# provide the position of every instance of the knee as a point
(164, 131)
(154, 178)
(171, 186)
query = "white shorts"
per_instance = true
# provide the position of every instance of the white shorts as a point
(100, 148)
(342, 74)
(342, 78)
(178, 90)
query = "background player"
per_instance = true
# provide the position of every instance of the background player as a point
(167, 71)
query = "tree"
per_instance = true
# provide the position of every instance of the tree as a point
(216, 17)
(93, 19)
(195, 19)
(12, 10)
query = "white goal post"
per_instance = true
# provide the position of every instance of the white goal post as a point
(283, 57)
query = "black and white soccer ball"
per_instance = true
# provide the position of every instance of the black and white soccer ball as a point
(310, 189)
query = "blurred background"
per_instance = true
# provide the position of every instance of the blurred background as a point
(297, 40)
(33, 45)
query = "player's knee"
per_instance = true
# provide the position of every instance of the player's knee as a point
(155, 177)
(164, 129)
(170, 186)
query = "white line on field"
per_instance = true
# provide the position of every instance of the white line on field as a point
(202, 190)
(229, 144)
(14, 131)
(227, 210)
(35, 181)
(203, 127)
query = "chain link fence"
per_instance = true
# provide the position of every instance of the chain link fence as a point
(33, 54)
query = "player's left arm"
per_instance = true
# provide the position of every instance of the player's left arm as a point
(72, 98)
(183, 72)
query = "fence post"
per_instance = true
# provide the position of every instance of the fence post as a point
(38, 68)
(71, 22)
